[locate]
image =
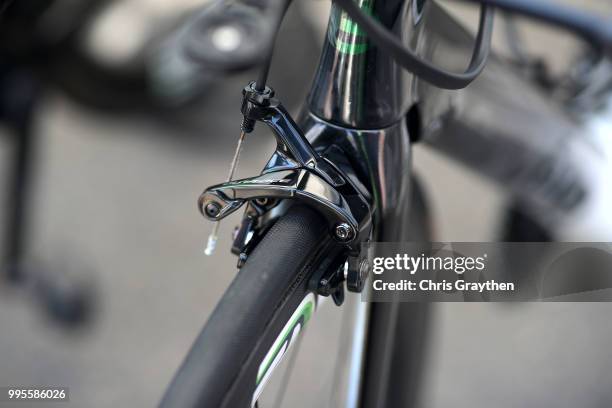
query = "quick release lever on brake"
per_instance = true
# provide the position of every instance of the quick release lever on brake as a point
(294, 172)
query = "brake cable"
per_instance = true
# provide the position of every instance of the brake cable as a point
(247, 125)
(389, 43)
(260, 84)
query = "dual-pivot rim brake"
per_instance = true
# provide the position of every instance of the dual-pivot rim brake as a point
(295, 172)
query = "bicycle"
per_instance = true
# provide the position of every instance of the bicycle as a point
(335, 180)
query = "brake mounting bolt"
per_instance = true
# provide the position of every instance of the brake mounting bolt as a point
(343, 231)
(212, 209)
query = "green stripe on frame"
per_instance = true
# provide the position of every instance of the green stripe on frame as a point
(349, 28)
(351, 48)
(305, 311)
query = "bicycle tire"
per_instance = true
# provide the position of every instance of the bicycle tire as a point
(261, 300)
(221, 369)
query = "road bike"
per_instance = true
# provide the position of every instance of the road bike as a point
(340, 177)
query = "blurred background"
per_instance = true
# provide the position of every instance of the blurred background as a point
(105, 284)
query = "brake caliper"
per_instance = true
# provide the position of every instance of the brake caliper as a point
(296, 172)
